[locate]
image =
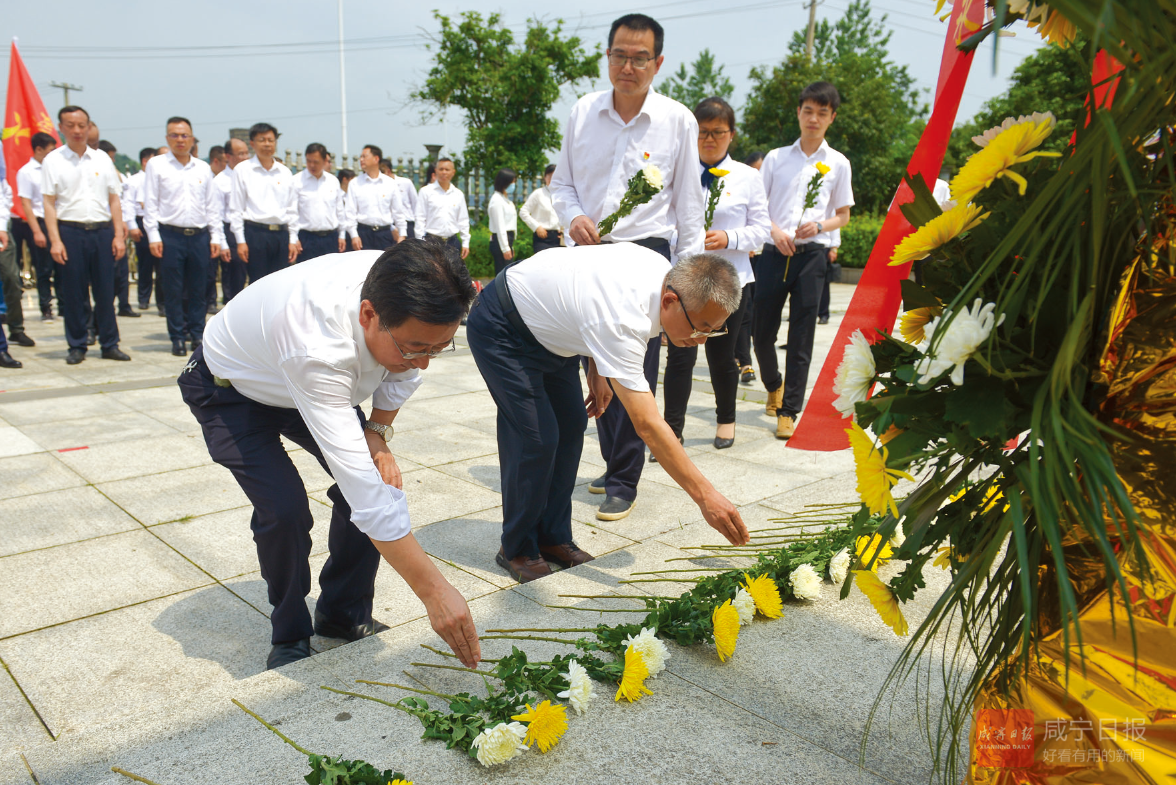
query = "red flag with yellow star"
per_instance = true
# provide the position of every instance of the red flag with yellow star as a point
(24, 116)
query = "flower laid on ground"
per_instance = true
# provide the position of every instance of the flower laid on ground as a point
(653, 651)
(641, 187)
(855, 375)
(579, 691)
(883, 600)
(874, 478)
(839, 566)
(546, 724)
(873, 547)
(500, 743)
(633, 679)
(400, 782)
(965, 332)
(726, 623)
(745, 605)
(1012, 146)
(945, 556)
(767, 597)
(937, 232)
(914, 322)
(805, 582)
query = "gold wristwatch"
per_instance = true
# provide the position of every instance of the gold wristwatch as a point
(384, 430)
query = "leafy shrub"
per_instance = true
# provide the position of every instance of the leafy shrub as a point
(857, 240)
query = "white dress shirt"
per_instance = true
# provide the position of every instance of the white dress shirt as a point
(320, 203)
(601, 301)
(942, 192)
(293, 340)
(28, 186)
(538, 211)
(503, 218)
(6, 199)
(224, 186)
(375, 201)
(787, 172)
(80, 184)
(408, 196)
(741, 212)
(442, 213)
(264, 196)
(136, 183)
(600, 152)
(182, 195)
(126, 199)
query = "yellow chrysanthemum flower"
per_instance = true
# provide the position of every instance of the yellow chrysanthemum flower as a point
(717, 172)
(822, 167)
(883, 600)
(936, 233)
(546, 724)
(874, 479)
(867, 546)
(399, 781)
(1056, 29)
(1012, 146)
(946, 555)
(726, 622)
(633, 679)
(914, 322)
(767, 597)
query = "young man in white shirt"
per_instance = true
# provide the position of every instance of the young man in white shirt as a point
(263, 211)
(539, 215)
(295, 355)
(122, 265)
(442, 213)
(147, 264)
(794, 265)
(408, 202)
(31, 230)
(378, 219)
(322, 216)
(609, 137)
(527, 331)
(232, 266)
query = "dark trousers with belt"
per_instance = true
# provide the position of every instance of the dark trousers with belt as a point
(724, 372)
(541, 422)
(269, 251)
(375, 239)
(500, 261)
(148, 267)
(22, 234)
(543, 243)
(89, 266)
(183, 273)
(244, 437)
(453, 241)
(316, 244)
(232, 271)
(797, 280)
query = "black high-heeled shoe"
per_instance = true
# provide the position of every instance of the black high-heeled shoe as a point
(722, 444)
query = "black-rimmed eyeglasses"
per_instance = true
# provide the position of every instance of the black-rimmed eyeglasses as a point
(449, 347)
(697, 332)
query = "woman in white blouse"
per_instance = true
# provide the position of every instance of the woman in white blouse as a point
(503, 220)
(741, 225)
(539, 215)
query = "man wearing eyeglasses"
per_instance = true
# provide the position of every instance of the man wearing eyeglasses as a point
(527, 331)
(295, 355)
(609, 137)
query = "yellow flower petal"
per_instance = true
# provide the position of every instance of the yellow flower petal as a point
(726, 623)
(883, 600)
(767, 597)
(822, 167)
(936, 233)
(915, 320)
(1056, 29)
(633, 679)
(1011, 146)
(867, 546)
(546, 724)
(717, 172)
(874, 479)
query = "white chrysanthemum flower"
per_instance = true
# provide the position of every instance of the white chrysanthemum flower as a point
(501, 743)
(652, 650)
(579, 692)
(1037, 118)
(970, 328)
(855, 375)
(839, 566)
(745, 604)
(653, 176)
(806, 584)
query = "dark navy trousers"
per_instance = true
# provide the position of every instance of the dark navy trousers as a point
(314, 245)
(375, 240)
(268, 251)
(232, 271)
(148, 267)
(541, 422)
(243, 436)
(183, 273)
(89, 266)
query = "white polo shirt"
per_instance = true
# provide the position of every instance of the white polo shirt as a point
(28, 186)
(293, 340)
(442, 213)
(81, 184)
(183, 195)
(602, 301)
(787, 171)
(320, 203)
(741, 212)
(264, 196)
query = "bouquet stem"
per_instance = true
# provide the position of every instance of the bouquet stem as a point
(368, 697)
(273, 730)
(619, 596)
(441, 695)
(451, 654)
(595, 610)
(131, 776)
(548, 629)
(453, 668)
(526, 638)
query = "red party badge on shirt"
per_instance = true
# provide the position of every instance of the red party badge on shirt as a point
(645, 156)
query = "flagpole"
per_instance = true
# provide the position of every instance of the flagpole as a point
(342, 82)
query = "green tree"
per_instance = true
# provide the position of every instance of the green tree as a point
(879, 121)
(703, 81)
(504, 88)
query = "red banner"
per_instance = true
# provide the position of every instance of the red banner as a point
(24, 116)
(877, 297)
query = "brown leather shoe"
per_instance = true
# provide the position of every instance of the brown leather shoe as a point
(785, 427)
(523, 568)
(775, 401)
(566, 555)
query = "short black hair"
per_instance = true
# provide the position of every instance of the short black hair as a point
(146, 152)
(215, 152)
(178, 119)
(346, 174)
(386, 163)
(639, 23)
(430, 170)
(373, 149)
(549, 170)
(71, 108)
(715, 108)
(424, 279)
(106, 146)
(754, 158)
(316, 147)
(257, 129)
(41, 140)
(444, 158)
(821, 94)
(504, 178)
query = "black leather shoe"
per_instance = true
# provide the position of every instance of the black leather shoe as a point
(115, 353)
(6, 361)
(823, 320)
(128, 312)
(178, 349)
(329, 629)
(722, 444)
(75, 356)
(21, 339)
(196, 343)
(653, 458)
(161, 312)
(614, 509)
(286, 653)
(746, 375)
(597, 485)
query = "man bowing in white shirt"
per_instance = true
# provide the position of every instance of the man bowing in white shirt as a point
(295, 355)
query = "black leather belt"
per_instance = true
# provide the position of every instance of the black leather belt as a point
(369, 227)
(506, 302)
(439, 238)
(87, 225)
(266, 227)
(320, 232)
(187, 231)
(652, 243)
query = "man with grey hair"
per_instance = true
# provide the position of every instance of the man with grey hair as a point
(527, 331)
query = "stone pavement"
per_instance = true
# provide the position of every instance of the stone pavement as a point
(132, 609)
